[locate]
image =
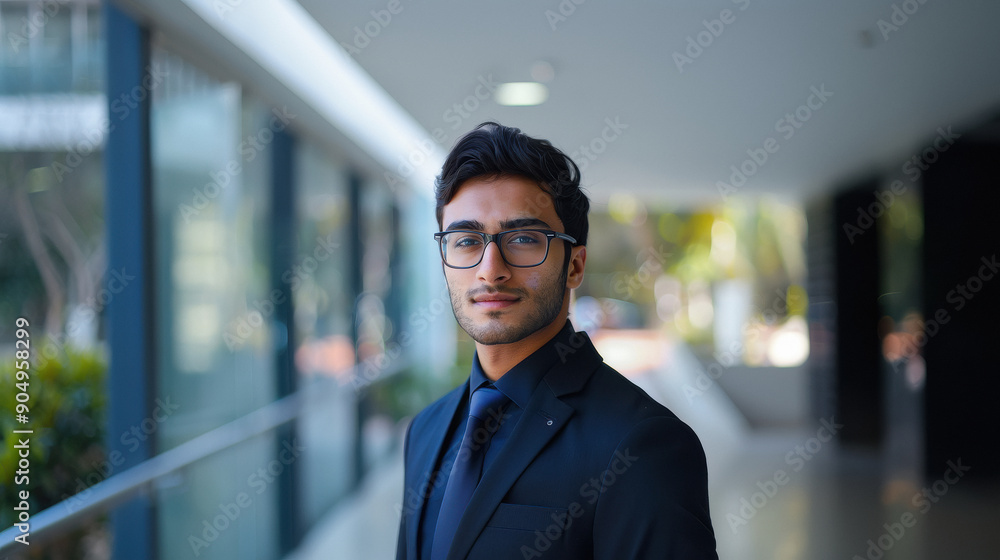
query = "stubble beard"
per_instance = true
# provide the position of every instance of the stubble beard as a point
(547, 302)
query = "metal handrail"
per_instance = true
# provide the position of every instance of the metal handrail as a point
(125, 485)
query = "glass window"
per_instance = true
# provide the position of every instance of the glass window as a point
(15, 49)
(211, 153)
(54, 271)
(320, 274)
(320, 279)
(88, 58)
(50, 47)
(52, 60)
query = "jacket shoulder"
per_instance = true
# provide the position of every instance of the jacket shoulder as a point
(621, 400)
(432, 414)
(612, 410)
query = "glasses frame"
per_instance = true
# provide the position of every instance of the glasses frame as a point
(496, 238)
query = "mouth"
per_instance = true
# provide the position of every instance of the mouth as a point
(499, 300)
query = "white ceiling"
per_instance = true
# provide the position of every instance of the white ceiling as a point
(940, 68)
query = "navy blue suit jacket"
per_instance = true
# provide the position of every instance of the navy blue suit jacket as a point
(595, 468)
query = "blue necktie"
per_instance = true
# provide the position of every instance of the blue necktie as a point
(484, 419)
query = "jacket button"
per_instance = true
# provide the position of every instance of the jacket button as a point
(548, 422)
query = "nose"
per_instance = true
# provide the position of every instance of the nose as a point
(492, 269)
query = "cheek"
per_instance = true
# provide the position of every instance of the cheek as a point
(534, 282)
(453, 280)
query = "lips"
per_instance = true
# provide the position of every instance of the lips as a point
(497, 300)
(495, 297)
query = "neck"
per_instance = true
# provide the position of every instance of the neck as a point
(497, 359)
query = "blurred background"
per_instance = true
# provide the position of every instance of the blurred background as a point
(216, 221)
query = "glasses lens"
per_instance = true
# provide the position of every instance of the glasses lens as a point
(462, 249)
(525, 248)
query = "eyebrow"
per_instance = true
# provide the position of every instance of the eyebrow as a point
(516, 223)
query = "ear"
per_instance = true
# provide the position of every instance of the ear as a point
(577, 260)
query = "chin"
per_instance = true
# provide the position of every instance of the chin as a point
(495, 338)
(494, 332)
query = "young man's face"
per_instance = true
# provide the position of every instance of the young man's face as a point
(494, 302)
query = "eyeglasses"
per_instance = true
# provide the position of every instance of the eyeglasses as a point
(522, 248)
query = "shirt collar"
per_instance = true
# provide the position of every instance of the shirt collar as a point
(519, 383)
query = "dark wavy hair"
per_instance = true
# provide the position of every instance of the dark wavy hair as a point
(492, 150)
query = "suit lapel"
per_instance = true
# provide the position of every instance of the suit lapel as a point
(543, 418)
(429, 449)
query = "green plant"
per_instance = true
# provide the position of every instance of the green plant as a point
(67, 416)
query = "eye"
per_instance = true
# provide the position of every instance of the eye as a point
(466, 241)
(525, 238)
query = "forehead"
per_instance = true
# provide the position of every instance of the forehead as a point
(492, 201)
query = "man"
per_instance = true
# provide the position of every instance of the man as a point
(546, 452)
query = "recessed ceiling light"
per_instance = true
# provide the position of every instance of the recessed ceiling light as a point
(522, 94)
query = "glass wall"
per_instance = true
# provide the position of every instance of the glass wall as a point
(379, 320)
(342, 281)
(50, 47)
(321, 284)
(903, 330)
(211, 152)
(216, 174)
(53, 258)
(320, 277)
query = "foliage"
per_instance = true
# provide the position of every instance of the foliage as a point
(67, 414)
(666, 266)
